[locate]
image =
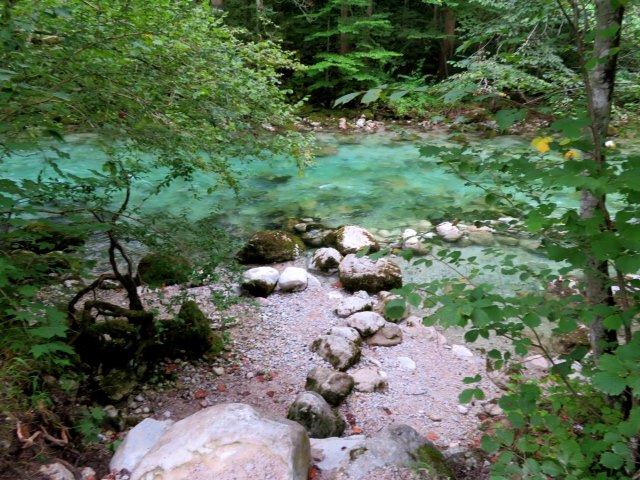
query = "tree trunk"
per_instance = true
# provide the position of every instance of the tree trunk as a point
(345, 46)
(599, 83)
(447, 44)
(217, 4)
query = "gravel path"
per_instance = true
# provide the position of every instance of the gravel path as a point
(269, 358)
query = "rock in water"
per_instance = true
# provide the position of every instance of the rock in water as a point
(333, 386)
(226, 442)
(337, 350)
(351, 239)
(311, 411)
(449, 232)
(270, 246)
(326, 260)
(260, 281)
(364, 274)
(293, 279)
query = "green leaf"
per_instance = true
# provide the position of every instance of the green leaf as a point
(609, 32)
(506, 118)
(49, 348)
(398, 95)
(488, 444)
(572, 127)
(394, 309)
(609, 382)
(346, 98)
(469, 380)
(466, 395)
(371, 96)
(612, 460)
(628, 264)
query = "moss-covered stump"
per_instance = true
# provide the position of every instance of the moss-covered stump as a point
(188, 335)
(110, 344)
(271, 246)
(156, 270)
(44, 237)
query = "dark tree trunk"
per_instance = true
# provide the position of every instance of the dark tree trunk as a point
(345, 45)
(447, 44)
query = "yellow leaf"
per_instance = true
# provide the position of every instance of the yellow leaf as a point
(541, 144)
(575, 154)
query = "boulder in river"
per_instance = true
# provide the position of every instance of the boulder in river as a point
(271, 246)
(361, 273)
(449, 232)
(225, 442)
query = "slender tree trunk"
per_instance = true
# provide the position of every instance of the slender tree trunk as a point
(218, 4)
(600, 82)
(345, 46)
(447, 44)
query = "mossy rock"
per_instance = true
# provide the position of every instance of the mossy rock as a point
(44, 237)
(38, 266)
(188, 335)
(428, 456)
(156, 270)
(271, 246)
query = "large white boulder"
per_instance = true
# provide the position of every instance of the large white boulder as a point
(228, 441)
(137, 443)
(351, 239)
(260, 281)
(293, 279)
(364, 274)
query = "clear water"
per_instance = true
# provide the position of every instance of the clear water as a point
(369, 180)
